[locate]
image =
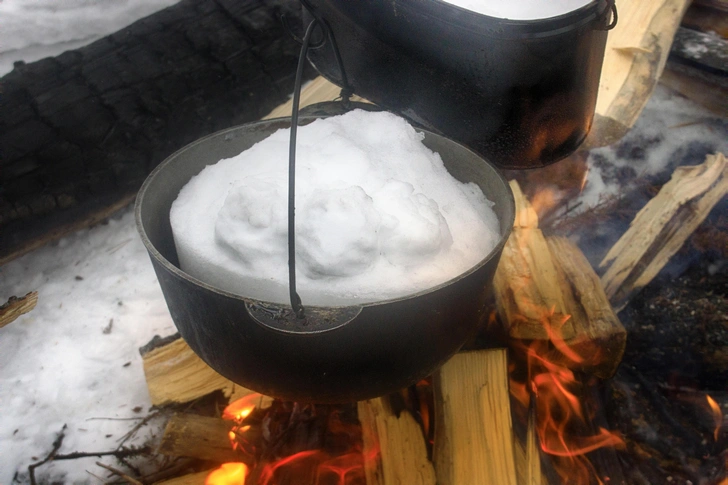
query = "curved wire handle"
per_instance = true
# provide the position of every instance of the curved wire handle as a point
(295, 298)
(346, 93)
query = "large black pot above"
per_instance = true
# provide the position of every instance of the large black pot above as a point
(521, 93)
(338, 354)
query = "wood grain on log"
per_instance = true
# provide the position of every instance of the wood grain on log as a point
(175, 374)
(81, 131)
(599, 337)
(528, 293)
(402, 453)
(528, 458)
(546, 289)
(197, 436)
(473, 431)
(659, 230)
(15, 307)
(635, 57)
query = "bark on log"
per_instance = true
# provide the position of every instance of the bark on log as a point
(197, 436)
(80, 132)
(659, 230)
(394, 446)
(15, 307)
(473, 431)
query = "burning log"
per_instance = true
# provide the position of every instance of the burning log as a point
(473, 431)
(15, 307)
(659, 230)
(546, 290)
(599, 335)
(528, 458)
(394, 447)
(191, 479)
(197, 436)
(527, 282)
(175, 374)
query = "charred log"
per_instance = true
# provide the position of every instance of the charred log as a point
(80, 132)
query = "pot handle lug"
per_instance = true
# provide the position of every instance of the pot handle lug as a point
(318, 319)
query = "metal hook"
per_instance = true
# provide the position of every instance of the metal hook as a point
(615, 17)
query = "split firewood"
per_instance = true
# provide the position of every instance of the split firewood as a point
(175, 374)
(528, 458)
(316, 91)
(546, 289)
(473, 429)
(659, 230)
(191, 479)
(15, 307)
(599, 337)
(200, 437)
(526, 282)
(402, 456)
(634, 59)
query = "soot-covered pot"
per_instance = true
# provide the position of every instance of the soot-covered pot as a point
(521, 93)
(337, 354)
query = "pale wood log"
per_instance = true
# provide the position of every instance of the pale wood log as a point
(546, 289)
(528, 458)
(526, 284)
(704, 88)
(316, 91)
(600, 338)
(634, 59)
(15, 307)
(659, 230)
(191, 479)
(473, 428)
(197, 436)
(394, 446)
(175, 374)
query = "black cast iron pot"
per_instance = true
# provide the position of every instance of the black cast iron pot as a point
(337, 354)
(520, 93)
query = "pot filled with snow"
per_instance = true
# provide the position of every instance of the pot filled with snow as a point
(516, 81)
(398, 234)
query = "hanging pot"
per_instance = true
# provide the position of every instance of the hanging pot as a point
(521, 93)
(336, 354)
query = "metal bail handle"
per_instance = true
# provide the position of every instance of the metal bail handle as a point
(346, 93)
(611, 9)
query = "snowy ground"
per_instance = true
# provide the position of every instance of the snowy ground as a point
(34, 29)
(75, 357)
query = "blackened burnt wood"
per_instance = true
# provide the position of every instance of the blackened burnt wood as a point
(81, 131)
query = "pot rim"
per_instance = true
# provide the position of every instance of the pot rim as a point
(178, 272)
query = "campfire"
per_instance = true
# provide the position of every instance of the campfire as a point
(524, 408)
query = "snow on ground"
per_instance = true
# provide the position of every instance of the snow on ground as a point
(66, 362)
(34, 29)
(670, 131)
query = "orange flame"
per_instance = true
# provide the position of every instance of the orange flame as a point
(348, 469)
(240, 409)
(717, 416)
(559, 411)
(228, 474)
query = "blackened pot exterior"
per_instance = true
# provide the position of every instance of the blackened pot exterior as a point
(378, 348)
(520, 93)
